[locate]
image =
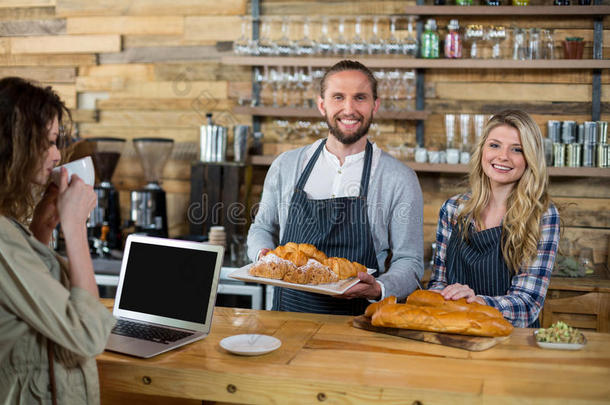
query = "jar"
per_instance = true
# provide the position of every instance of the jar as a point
(453, 41)
(429, 40)
(521, 2)
(463, 2)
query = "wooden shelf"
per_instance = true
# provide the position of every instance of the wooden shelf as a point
(404, 63)
(592, 172)
(574, 10)
(314, 113)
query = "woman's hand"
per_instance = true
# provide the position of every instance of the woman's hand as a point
(457, 291)
(46, 216)
(74, 202)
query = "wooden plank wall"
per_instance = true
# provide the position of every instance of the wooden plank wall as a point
(153, 69)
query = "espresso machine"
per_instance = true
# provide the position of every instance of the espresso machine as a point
(104, 224)
(148, 205)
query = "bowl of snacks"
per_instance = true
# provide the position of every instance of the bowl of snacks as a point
(560, 336)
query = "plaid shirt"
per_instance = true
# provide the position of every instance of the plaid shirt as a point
(525, 298)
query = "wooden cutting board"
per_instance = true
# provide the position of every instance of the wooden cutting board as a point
(472, 343)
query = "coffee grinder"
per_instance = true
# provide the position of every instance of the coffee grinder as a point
(104, 224)
(148, 205)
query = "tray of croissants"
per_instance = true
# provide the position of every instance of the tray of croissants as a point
(301, 266)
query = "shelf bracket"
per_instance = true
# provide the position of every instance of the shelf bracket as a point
(596, 85)
(256, 90)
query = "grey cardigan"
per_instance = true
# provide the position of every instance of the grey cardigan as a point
(395, 213)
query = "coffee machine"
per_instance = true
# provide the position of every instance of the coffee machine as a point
(104, 223)
(148, 205)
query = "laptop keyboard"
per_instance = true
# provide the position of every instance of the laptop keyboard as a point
(152, 333)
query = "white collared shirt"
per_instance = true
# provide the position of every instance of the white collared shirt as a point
(330, 179)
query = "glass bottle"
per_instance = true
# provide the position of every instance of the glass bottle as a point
(429, 40)
(463, 2)
(453, 41)
(521, 2)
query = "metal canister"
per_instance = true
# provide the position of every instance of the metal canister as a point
(573, 153)
(221, 144)
(581, 134)
(241, 134)
(588, 155)
(554, 130)
(590, 132)
(559, 157)
(603, 155)
(568, 131)
(602, 132)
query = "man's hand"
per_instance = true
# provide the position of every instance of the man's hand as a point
(46, 216)
(367, 288)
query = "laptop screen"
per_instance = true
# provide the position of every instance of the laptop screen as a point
(168, 281)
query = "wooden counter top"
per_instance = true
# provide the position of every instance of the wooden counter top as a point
(324, 359)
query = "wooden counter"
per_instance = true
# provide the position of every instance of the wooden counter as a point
(324, 359)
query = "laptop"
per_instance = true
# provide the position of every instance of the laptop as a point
(166, 295)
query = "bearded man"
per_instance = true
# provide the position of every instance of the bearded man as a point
(347, 197)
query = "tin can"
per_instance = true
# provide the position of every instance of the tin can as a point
(581, 134)
(559, 157)
(603, 155)
(588, 155)
(602, 132)
(573, 153)
(590, 132)
(554, 130)
(568, 131)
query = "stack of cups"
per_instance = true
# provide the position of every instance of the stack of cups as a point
(217, 236)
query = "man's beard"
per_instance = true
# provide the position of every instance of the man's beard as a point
(349, 139)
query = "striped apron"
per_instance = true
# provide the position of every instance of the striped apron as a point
(338, 227)
(479, 263)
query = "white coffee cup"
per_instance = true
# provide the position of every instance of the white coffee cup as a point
(453, 156)
(83, 168)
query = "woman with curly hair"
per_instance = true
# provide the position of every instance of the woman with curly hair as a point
(51, 321)
(496, 244)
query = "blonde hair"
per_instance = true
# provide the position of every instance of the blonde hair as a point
(527, 201)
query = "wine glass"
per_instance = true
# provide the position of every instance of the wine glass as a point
(392, 45)
(324, 43)
(375, 43)
(410, 44)
(358, 46)
(265, 45)
(341, 46)
(305, 46)
(285, 46)
(242, 45)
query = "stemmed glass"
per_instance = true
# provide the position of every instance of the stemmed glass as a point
(242, 46)
(266, 46)
(474, 33)
(341, 46)
(410, 44)
(305, 46)
(375, 43)
(358, 46)
(325, 43)
(285, 46)
(408, 82)
(392, 45)
(276, 80)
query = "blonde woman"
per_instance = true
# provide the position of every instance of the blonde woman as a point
(496, 244)
(52, 324)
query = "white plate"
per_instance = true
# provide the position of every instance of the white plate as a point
(560, 346)
(250, 344)
(336, 288)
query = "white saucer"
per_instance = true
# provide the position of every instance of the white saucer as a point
(250, 344)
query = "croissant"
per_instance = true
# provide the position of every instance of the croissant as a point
(297, 257)
(343, 267)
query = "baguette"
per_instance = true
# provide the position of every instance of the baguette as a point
(372, 308)
(427, 298)
(438, 319)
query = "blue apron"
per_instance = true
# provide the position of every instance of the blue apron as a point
(479, 262)
(338, 227)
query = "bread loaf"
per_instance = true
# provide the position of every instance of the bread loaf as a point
(372, 308)
(438, 319)
(427, 298)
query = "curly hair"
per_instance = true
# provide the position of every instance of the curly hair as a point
(26, 114)
(527, 201)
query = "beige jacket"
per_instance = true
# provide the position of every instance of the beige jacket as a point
(34, 307)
